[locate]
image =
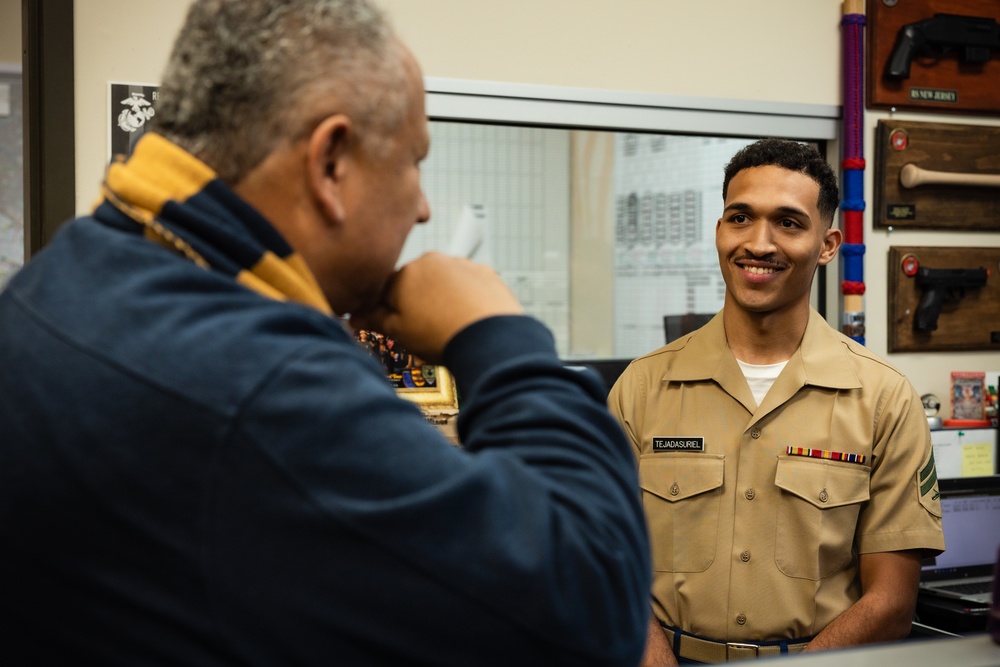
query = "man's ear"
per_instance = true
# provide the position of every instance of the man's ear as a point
(328, 152)
(831, 244)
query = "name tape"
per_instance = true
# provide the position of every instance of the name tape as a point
(678, 444)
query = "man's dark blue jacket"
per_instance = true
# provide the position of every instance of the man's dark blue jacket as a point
(194, 474)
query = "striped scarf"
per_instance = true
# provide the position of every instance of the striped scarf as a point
(182, 205)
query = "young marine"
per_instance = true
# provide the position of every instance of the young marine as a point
(787, 473)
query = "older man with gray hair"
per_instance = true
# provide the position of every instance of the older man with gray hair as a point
(200, 466)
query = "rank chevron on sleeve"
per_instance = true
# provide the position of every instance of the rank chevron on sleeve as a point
(928, 478)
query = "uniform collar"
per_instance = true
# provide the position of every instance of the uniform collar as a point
(825, 356)
(822, 360)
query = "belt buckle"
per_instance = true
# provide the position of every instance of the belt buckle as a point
(743, 647)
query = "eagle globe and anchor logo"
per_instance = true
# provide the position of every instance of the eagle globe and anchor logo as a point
(136, 112)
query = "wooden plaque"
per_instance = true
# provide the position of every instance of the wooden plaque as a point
(943, 150)
(943, 83)
(969, 323)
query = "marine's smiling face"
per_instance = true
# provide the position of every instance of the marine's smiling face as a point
(771, 238)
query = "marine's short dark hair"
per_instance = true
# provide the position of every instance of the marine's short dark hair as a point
(793, 156)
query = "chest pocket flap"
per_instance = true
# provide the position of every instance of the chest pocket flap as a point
(822, 483)
(817, 515)
(675, 477)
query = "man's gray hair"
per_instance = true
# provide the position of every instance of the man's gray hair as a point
(245, 76)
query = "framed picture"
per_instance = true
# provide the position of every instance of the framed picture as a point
(430, 386)
(968, 395)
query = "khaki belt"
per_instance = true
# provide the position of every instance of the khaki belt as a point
(708, 650)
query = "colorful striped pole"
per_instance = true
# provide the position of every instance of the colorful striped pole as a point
(852, 205)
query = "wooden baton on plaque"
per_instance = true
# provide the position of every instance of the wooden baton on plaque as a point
(912, 176)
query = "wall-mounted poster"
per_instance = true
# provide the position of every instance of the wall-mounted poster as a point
(131, 106)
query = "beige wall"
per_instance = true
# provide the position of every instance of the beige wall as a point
(773, 50)
(10, 31)
(758, 49)
(125, 41)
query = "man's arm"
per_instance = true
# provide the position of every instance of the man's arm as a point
(493, 538)
(884, 611)
(658, 652)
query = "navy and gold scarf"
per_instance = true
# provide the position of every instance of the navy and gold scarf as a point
(183, 205)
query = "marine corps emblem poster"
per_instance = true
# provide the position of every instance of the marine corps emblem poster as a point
(131, 107)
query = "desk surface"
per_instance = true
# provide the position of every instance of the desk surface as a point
(973, 651)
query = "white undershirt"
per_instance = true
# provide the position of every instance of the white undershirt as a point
(760, 378)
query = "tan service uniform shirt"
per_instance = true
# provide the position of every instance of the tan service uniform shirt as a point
(750, 543)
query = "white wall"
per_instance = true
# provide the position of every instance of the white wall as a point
(773, 50)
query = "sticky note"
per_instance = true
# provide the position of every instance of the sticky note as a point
(977, 459)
